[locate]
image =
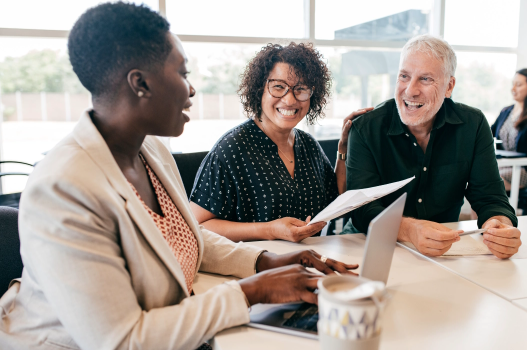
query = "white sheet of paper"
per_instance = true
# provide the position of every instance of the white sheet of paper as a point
(353, 199)
(466, 246)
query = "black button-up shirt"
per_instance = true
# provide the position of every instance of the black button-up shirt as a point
(459, 161)
(243, 178)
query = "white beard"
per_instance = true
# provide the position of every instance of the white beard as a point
(425, 118)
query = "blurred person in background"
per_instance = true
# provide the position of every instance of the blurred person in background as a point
(511, 125)
(108, 240)
(265, 179)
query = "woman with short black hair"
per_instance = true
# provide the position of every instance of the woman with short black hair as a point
(264, 179)
(109, 243)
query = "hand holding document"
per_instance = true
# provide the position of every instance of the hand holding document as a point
(353, 199)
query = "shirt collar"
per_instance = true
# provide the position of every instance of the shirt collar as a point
(446, 114)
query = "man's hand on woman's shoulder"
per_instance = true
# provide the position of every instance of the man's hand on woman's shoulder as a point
(346, 125)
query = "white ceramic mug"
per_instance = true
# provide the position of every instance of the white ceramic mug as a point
(354, 324)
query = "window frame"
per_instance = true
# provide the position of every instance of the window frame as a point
(437, 27)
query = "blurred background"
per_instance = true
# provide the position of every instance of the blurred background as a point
(41, 98)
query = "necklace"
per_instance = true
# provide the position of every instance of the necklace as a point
(265, 131)
(290, 161)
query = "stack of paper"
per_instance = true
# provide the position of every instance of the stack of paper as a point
(353, 199)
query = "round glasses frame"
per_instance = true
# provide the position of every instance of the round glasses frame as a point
(294, 88)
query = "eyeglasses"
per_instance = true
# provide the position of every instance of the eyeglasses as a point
(279, 88)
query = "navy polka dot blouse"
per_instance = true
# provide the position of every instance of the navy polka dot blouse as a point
(243, 178)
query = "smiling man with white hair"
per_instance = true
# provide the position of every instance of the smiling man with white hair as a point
(447, 146)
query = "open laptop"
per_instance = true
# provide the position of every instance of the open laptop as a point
(301, 319)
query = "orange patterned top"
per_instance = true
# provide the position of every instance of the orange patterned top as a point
(174, 229)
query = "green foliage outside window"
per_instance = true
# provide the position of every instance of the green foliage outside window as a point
(39, 71)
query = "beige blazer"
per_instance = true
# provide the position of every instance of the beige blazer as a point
(98, 273)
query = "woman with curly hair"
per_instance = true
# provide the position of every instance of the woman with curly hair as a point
(263, 178)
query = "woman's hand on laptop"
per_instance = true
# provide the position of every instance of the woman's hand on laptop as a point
(285, 277)
(281, 285)
(306, 258)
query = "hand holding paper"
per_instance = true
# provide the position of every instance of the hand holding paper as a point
(353, 199)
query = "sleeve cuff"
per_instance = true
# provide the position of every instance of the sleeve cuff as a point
(483, 218)
(256, 260)
(236, 286)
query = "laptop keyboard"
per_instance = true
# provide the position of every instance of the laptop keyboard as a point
(305, 318)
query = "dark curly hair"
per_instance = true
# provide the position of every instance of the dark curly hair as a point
(109, 40)
(308, 66)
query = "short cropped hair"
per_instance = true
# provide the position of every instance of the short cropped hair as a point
(110, 39)
(435, 47)
(307, 64)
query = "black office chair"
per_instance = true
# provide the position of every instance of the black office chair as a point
(330, 148)
(522, 200)
(10, 260)
(12, 199)
(188, 165)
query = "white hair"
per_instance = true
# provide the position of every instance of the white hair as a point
(435, 47)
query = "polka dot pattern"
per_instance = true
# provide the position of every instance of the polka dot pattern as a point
(174, 229)
(243, 178)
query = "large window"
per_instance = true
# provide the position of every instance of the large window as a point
(215, 69)
(482, 22)
(270, 18)
(41, 99)
(49, 14)
(484, 80)
(378, 20)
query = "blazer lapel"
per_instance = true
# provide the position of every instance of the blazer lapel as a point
(89, 138)
(148, 228)
(167, 174)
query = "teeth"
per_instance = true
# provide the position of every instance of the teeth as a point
(287, 111)
(186, 109)
(413, 103)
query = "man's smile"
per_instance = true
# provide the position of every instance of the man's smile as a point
(413, 105)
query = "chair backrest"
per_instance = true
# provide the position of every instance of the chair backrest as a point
(10, 260)
(330, 148)
(10, 200)
(188, 165)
